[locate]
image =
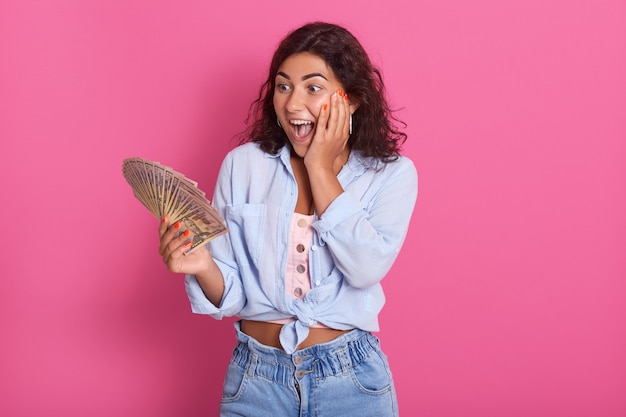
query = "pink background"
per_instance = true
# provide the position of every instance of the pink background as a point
(508, 297)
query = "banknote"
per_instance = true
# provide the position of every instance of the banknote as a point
(166, 192)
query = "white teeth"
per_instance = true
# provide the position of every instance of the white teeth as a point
(300, 122)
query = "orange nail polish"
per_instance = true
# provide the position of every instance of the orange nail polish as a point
(187, 244)
(186, 233)
(340, 92)
(163, 219)
(325, 106)
(346, 96)
(177, 225)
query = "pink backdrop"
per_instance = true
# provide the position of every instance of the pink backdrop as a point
(508, 298)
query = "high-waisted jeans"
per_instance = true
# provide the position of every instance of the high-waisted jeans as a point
(348, 376)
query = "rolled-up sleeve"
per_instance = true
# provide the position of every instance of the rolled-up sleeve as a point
(365, 235)
(233, 299)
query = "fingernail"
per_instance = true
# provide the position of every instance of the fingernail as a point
(177, 225)
(346, 96)
(187, 244)
(340, 92)
(325, 106)
(186, 233)
(163, 219)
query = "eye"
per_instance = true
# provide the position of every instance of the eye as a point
(282, 87)
(315, 88)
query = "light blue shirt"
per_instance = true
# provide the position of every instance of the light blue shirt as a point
(354, 243)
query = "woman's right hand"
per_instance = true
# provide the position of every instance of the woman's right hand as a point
(174, 243)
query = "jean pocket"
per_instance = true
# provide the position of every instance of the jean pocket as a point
(234, 383)
(372, 376)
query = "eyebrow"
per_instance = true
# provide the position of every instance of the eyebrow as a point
(305, 77)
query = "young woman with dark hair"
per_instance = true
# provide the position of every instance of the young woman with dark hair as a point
(318, 201)
(376, 135)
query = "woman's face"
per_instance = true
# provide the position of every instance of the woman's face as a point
(304, 83)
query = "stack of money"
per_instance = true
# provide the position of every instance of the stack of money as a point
(166, 192)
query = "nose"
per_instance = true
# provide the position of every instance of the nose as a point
(295, 102)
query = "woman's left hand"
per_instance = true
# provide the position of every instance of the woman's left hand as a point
(331, 134)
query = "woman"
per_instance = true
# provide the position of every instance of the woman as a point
(317, 200)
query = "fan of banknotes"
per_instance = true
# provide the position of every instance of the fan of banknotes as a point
(166, 192)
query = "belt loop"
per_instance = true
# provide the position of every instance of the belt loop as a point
(344, 359)
(254, 358)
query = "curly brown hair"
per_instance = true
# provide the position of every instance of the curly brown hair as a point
(375, 131)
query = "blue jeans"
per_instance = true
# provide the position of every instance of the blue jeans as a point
(348, 376)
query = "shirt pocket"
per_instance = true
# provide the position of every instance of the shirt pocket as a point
(246, 224)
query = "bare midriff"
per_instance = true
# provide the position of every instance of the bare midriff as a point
(268, 333)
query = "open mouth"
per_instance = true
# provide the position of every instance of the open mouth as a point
(301, 128)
